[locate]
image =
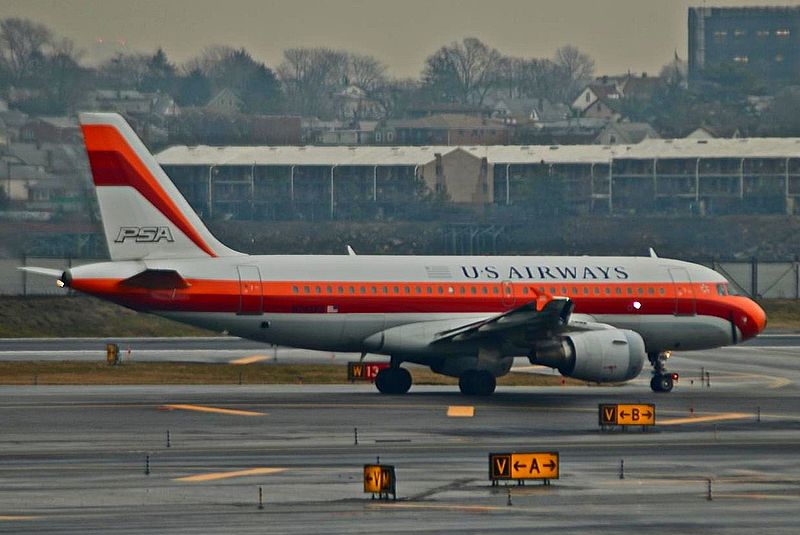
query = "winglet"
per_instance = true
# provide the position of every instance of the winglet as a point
(653, 253)
(350, 251)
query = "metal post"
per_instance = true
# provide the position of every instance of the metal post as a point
(708, 379)
(332, 199)
(508, 184)
(210, 192)
(260, 498)
(708, 496)
(355, 436)
(375, 184)
(758, 414)
(508, 502)
(622, 469)
(147, 465)
(291, 183)
(754, 277)
(168, 442)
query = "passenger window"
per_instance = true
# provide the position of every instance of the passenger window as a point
(386, 289)
(485, 290)
(585, 291)
(564, 290)
(329, 289)
(639, 291)
(574, 290)
(374, 290)
(542, 289)
(407, 289)
(352, 289)
(462, 290)
(524, 291)
(495, 290)
(430, 290)
(450, 290)
(418, 290)
(473, 290)
(630, 291)
(661, 291)
(596, 291)
(318, 289)
(397, 289)
(721, 289)
(608, 290)
(363, 289)
(307, 289)
(619, 290)
(341, 289)
(651, 291)
(295, 289)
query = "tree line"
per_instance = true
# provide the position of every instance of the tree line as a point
(305, 82)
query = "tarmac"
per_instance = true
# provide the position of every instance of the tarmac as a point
(74, 459)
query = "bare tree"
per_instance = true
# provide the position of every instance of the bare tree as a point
(23, 45)
(366, 72)
(576, 69)
(310, 76)
(463, 72)
(124, 71)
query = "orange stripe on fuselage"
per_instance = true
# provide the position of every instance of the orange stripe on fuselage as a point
(102, 141)
(326, 297)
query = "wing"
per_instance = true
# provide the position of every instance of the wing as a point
(519, 325)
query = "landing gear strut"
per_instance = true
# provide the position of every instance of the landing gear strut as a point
(662, 381)
(477, 383)
(393, 380)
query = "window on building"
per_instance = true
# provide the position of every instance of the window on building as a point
(783, 33)
(720, 34)
(779, 58)
(741, 59)
(739, 33)
(762, 33)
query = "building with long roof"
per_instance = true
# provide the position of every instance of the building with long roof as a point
(688, 176)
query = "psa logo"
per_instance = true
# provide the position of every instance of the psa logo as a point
(144, 234)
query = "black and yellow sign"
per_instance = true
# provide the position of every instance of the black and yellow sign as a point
(379, 479)
(534, 465)
(627, 414)
(364, 371)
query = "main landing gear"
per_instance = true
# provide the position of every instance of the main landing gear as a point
(662, 381)
(477, 383)
(393, 380)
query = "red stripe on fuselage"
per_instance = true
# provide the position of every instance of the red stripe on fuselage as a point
(114, 163)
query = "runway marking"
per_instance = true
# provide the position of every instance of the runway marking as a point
(754, 496)
(460, 411)
(251, 359)
(775, 382)
(453, 507)
(17, 517)
(214, 476)
(216, 410)
(709, 418)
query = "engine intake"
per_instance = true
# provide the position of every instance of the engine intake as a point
(603, 356)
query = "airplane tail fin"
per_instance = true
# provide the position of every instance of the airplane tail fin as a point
(144, 215)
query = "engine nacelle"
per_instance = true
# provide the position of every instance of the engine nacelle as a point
(603, 356)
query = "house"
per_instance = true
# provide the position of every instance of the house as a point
(444, 129)
(352, 103)
(529, 110)
(601, 99)
(360, 133)
(226, 100)
(50, 130)
(716, 132)
(124, 101)
(624, 133)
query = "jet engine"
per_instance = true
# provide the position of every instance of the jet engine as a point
(602, 356)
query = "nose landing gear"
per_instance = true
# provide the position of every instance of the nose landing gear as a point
(662, 381)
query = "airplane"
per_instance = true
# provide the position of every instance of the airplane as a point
(594, 318)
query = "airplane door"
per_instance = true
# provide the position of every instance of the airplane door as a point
(250, 298)
(508, 294)
(684, 292)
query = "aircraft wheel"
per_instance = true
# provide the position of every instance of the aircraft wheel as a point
(393, 381)
(477, 383)
(662, 382)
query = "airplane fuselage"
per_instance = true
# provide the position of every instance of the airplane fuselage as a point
(335, 303)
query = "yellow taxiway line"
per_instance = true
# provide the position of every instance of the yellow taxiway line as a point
(215, 410)
(446, 507)
(251, 359)
(214, 476)
(702, 419)
(17, 517)
(460, 411)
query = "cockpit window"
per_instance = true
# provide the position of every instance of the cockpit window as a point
(721, 289)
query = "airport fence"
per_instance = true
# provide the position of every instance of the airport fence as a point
(768, 280)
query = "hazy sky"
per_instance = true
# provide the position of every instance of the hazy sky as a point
(621, 35)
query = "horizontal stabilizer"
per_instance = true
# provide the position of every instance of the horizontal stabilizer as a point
(156, 279)
(47, 272)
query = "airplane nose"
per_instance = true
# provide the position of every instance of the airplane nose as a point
(755, 319)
